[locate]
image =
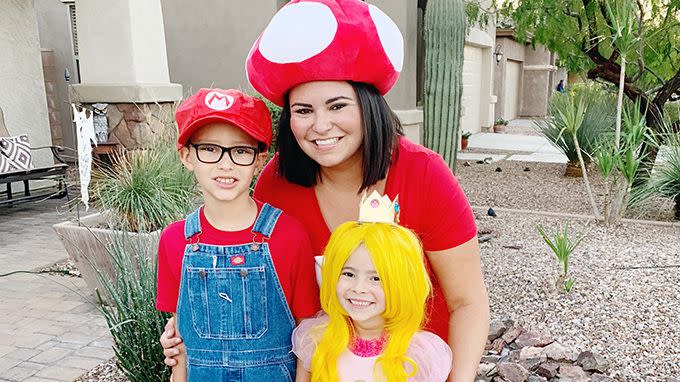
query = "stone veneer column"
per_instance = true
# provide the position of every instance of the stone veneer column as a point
(123, 62)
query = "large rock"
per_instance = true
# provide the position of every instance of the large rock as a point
(558, 352)
(512, 334)
(530, 352)
(548, 369)
(533, 339)
(512, 372)
(590, 361)
(486, 370)
(574, 373)
(498, 327)
(497, 345)
(532, 363)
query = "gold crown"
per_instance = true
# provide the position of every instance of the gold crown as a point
(378, 209)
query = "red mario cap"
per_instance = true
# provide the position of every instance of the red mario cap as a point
(316, 40)
(217, 105)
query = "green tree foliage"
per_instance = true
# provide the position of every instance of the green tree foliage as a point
(590, 37)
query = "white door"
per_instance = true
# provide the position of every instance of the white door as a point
(472, 90)
(513, 89)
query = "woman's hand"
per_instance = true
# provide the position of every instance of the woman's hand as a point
(172, 344)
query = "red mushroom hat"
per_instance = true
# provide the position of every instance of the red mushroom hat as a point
(317, 40)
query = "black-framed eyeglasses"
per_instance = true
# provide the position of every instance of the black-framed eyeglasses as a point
(212, 153)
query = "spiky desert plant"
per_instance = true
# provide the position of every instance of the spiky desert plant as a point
(443, 85)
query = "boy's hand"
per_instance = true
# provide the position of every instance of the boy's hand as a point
(172, 343)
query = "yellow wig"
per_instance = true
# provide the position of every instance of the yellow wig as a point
(397, 255)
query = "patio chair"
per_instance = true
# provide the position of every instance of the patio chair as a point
(15, 166)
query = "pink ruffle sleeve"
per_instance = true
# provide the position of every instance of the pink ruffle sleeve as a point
(305, 338)
(432, 355)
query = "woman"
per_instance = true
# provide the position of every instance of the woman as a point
(338, 138)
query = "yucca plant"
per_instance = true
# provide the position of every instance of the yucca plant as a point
(146, 189)
(618, 162)
(568, 115)
(127, 303)
(563, 247)
(598, 121)
(664, 181)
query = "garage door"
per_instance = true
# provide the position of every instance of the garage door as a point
(513, 89)
(472, 89)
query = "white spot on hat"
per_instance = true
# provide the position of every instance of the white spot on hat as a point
(218, 101)
(298, 32)
(390, 36)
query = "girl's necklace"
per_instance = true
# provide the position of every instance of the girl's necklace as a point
(368, 348)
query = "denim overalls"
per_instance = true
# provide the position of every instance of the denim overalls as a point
(232, 313)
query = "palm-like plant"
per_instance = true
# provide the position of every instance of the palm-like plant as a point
(568, 114)
(562, 246)
(598, 121)
(664, 181)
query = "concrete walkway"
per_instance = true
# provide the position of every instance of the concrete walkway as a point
(522, 142)
(48, 330)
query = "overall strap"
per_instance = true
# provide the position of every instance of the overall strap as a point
(266, 220)
(192, 224)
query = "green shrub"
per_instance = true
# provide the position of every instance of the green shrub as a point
(598, 120)
(129, 309)
(664, 180)
(275, 112)
(144, 190)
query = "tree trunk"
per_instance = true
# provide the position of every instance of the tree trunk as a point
(443, 87)
(593, 204)
(619, 102)
(617, 199)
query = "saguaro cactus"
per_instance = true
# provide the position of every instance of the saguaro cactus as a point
(443, 87)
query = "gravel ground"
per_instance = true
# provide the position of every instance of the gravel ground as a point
(627, 315)
(104, 372)
(543, 188)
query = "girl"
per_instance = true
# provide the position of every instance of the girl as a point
(373, 292)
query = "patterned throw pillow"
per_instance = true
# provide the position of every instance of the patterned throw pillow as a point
(15, 154)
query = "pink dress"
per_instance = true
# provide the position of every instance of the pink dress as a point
(430, 352)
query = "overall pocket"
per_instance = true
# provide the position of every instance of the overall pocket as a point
(228, 303)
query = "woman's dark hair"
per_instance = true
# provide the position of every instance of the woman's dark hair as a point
(381, 130)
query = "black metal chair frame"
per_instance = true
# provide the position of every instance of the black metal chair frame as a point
(56, 173)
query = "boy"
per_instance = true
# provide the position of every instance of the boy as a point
(236, 273)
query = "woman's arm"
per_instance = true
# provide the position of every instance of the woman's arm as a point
(459, 272)
(302, 375)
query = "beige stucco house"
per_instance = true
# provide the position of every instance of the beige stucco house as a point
(524, 78)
